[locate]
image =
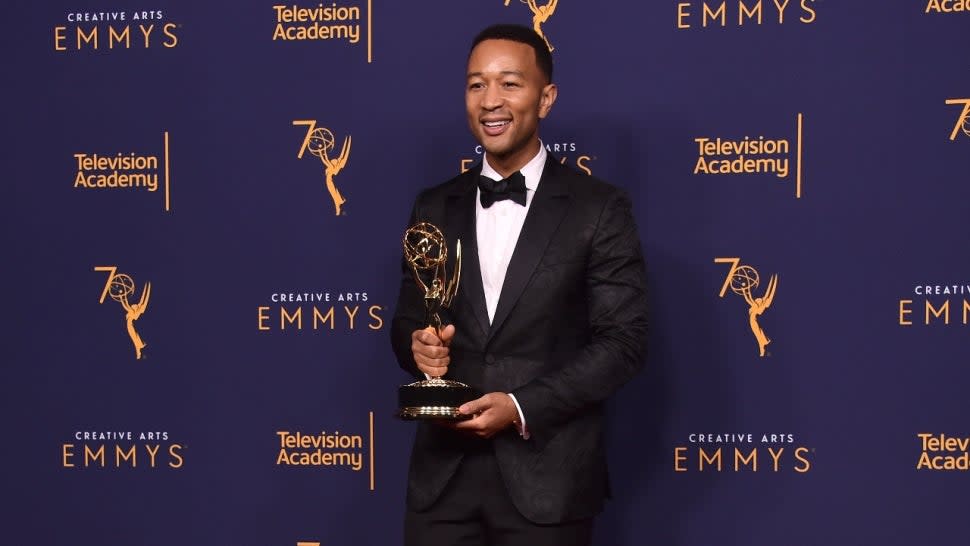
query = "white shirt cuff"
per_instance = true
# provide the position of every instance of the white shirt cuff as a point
(520, 423)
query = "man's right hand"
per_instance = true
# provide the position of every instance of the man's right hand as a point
(431, 351)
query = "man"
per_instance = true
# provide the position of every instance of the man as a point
(549, 320)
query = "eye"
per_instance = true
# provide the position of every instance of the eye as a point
(510, 84)
(476, 85)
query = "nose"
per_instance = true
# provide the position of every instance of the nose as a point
(492, 98)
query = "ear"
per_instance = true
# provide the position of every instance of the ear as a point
(547, 99)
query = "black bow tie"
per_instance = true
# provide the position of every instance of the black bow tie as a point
(512, 188)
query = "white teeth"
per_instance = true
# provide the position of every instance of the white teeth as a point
(495, 123)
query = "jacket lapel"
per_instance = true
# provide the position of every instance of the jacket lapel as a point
(460, 224)
(546, 212)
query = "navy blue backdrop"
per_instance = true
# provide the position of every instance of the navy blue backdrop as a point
(196, 341)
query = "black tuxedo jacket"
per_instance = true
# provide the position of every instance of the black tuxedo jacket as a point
(570, 328)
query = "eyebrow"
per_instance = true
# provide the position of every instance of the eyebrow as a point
(504, 73)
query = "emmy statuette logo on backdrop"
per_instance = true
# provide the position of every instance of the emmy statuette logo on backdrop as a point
(540, 14)
(743, 279)
(963, 121)
(120, 286)
(320, 142)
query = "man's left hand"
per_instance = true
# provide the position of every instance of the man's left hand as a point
(491, 414)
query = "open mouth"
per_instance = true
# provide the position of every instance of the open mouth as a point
(494, 128)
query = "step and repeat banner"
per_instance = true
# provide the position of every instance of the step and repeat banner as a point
(204, 210)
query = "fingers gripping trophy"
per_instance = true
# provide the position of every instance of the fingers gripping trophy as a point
(426, 252)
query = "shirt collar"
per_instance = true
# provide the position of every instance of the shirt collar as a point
(532, 171)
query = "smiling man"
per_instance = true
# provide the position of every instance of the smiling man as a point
(508, 91)
(550, 320)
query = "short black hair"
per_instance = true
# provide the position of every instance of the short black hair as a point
(523, 35)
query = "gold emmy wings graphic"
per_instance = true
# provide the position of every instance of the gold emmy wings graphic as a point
(321, 142)
(743, 279)
(119, 286)
(963, 122)
(540, 14)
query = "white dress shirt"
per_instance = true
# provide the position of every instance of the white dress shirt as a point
(498, 228)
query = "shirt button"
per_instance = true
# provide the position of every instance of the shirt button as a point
(489, 359)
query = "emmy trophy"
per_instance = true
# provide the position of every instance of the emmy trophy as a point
(426, 250)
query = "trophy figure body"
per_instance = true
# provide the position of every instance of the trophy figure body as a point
(426, 251)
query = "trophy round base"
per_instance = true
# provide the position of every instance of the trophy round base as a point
(432, 412)
(434, 398)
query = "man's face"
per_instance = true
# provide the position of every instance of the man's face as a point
(505, 97)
